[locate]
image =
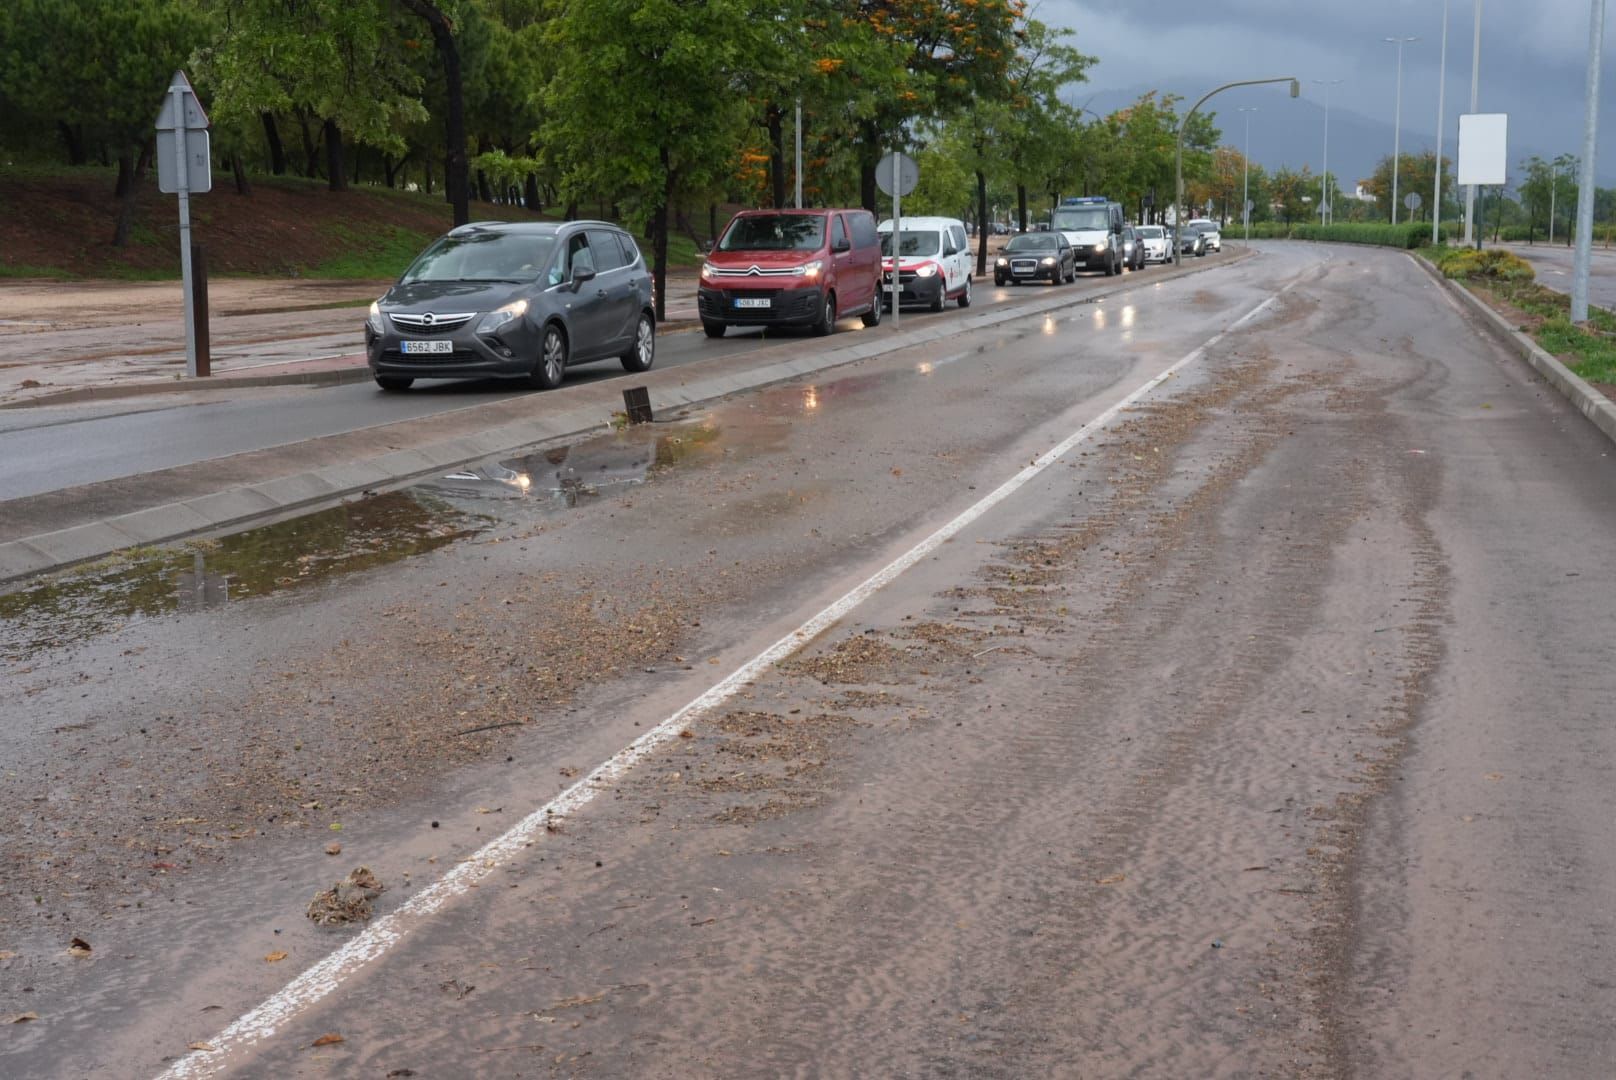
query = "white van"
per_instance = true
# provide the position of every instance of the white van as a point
(934, 262)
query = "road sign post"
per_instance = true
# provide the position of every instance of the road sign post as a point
(184, 165)
(897, 175)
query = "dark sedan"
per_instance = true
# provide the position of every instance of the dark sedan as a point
(517, 301)
(1036, 257)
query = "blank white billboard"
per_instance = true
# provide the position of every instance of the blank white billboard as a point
(1483, 153)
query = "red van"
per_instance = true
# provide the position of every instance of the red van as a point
(792, 268)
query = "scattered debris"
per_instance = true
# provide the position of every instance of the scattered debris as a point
(330, 1038)
(199, 1046)
(22, 1018)
(347, 901)
(78, 947)
(333, 848)
(276, 957)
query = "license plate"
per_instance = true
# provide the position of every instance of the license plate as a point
(752, 301)
(426, 346)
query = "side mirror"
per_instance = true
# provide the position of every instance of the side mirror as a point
(950, 249)
(838, 248)
(581, 274)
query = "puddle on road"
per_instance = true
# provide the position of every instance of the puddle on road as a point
(145, 582)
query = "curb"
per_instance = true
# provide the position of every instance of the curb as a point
(371, 459)
(1598, 408)
(328, 377)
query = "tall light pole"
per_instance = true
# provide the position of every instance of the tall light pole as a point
(1441, 119)
(1324, 193)
(1397, 123)
(1475, 85)
(1585, 179)
(1245, 179)
(1178, 152)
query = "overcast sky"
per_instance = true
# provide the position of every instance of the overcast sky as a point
(1533, 56)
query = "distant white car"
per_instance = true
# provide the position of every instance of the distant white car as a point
(1209, 229)
(1154, 240)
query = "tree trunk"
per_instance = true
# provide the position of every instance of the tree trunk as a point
(456, 181)
(311, 161)
(981, 220)
(777, 157)
(571, 213)
(74, 142)
(277, 152)
(357, 150)
(1021, 202)
(659, 238)
(336, 176)
(712, 223)
(394, 169)
(243, 186)
(530, 194)
(484, 192)
(128, 189)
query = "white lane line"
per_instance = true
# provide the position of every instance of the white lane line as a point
(327, 975)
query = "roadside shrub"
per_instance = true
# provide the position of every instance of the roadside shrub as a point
(1491, 264)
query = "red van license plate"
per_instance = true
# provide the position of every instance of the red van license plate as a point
(751, 301)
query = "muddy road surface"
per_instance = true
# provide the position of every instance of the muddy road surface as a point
(1211, 681)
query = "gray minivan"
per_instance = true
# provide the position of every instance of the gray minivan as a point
(521, 300)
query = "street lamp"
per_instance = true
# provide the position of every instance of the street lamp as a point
(1324, 195)
(1585, 183)
(1245, 179)
(1475, 84)
(1441, 118)
(1178, 152)
(1397, 123)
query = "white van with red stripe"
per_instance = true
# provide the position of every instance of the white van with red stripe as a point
(934, 262)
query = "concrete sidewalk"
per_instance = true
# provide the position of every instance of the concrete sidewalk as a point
(73, 341)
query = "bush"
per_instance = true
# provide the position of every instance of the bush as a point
(1491, 264)
(1409, 234)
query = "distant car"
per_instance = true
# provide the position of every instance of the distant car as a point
(1210, 230)
(1034, 257)
(523, 300)
(1133, 253)
(1000, 228)
(1190, 241)
(1153, 238)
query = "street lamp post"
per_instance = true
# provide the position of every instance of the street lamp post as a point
(1475, 85)
(1178, 152)
(1441, 119)
(1585, 183)
(1397, 123)
(1324, 179)
(1245, 179)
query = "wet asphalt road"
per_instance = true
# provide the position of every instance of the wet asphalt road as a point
(1553, 266)
(52, 447)
(1262, 733)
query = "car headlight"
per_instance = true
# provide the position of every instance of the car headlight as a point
(707, 273)
(926, 270)
(497, 318)
(374, 319)
(1002, 261)
(810, 270)
(1048, 260)
(1101, 245)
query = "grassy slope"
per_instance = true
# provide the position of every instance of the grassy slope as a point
(58, 223)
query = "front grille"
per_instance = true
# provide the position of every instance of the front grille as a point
(719, 305)
(459, 356)
(753, 271)
(440, 324)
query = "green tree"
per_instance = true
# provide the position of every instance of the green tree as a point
(643, 104)
(1032, 130)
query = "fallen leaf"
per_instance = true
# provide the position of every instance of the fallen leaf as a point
(330, 1038)
(275, 957)
(199, 1046)
(333, 848)
(336, 826)
(1493, 776)
(687, 734)
(4, 955)
(22, 1018)
(78, 947)
(1113, 879)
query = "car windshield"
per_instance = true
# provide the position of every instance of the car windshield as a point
(1150, 232)
(1081, 218)
(1032, 242)
(483, 256)
(923, 242)
(774, 232)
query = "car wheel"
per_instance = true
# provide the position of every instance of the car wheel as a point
(826, 323)
(552, 360)
(394, 382)
(873, 316)
(1110, 268)
(965, 297)
(998, 281)
(712, 329)
(941, 297)
(643, 354)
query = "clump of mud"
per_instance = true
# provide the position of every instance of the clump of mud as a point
(348, 901)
